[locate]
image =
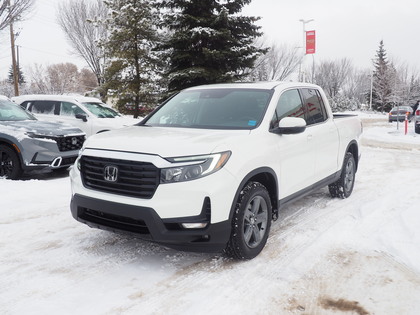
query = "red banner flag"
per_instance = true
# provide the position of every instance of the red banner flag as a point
(310, 42)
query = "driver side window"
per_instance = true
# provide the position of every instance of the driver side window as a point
(70, 109)
(289, 105)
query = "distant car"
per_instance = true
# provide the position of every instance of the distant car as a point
(86, 113)
(27, 144)
(399, 113)
(417, 121)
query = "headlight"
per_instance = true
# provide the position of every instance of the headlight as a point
(201, 165)
(78, 162)
(38, 136)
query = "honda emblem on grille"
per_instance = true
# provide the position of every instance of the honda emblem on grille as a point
(111, 173)
(73, 140)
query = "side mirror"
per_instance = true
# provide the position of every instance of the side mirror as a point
(82, 117)
(290, 126)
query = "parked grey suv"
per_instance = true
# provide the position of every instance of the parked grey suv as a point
(27, 144)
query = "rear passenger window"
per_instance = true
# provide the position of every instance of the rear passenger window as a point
(289, 105)
(44, 107)
(313, 106)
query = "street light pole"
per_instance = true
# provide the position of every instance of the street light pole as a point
(304, 22)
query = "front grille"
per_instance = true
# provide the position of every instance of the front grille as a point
(134, 179)
(114, 221)
(70, 143)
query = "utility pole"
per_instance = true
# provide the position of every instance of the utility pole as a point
(15, 71)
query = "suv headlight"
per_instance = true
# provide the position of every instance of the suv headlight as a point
(34, 135)
(193, 167)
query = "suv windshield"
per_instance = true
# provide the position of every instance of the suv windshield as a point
(100, 111)
(11, 112)
(213, 108)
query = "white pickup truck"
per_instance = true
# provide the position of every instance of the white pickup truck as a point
(211, 168)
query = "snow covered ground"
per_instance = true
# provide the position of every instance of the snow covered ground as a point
(360, 255)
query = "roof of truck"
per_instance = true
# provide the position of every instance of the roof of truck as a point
(254, 85)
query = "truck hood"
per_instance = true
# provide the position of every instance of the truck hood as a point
(165, 142)
(41, 127)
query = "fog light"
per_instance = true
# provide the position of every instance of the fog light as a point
(194, 225)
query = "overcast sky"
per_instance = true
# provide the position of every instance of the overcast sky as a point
(344, 29)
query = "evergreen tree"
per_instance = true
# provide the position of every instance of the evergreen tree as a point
(383, 79)
(209, 42)
(21, 77)
(413, 90)
(131, 70)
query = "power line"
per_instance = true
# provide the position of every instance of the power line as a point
(43, 51)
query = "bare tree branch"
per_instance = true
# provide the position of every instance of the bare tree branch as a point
(332, 75)
(81, 21)
(60, 78)
(277, 64)
(13, 11)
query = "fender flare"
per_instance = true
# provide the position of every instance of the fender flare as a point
(353, 148)
(259, 173)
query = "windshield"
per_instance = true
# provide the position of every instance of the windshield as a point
(12, 112)
(213, 108)
(100, 111)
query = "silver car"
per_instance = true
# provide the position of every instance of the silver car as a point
(28, 145)
(399, 113)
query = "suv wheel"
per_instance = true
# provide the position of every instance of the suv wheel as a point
(251, 222)
(9, 163)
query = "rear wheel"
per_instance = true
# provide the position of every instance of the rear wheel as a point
(9, 163)
(344, 186)
(251, 222)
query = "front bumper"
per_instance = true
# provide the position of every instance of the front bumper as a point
(44, 154)
(145, 223)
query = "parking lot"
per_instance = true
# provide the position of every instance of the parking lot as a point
(324, 255)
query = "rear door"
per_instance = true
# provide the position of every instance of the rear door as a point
(44, 110)
(322, 134)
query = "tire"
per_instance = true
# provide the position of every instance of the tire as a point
(417, 129)
(344, 186)
(251, 222)
(9, 163)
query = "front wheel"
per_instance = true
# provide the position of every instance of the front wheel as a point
(9, 163)
(344, 186)
(251, 222)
